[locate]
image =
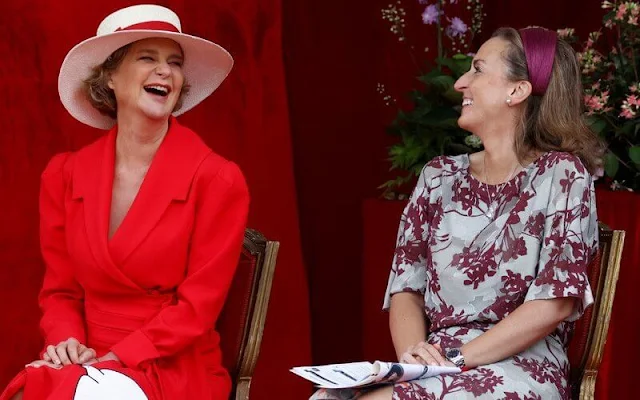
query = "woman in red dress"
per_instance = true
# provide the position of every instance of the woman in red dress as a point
(141, 230)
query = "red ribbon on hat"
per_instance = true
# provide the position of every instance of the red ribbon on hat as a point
(151, 26)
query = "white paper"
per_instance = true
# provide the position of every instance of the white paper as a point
(358, 374)
(338, 375)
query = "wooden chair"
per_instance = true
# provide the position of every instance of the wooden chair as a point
(587, 345)
(241, 322)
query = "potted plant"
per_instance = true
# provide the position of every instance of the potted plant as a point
(610, 61)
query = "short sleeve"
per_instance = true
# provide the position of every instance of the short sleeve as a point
(408, 273)
(570, 238)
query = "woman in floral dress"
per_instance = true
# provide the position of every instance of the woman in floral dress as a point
(493, 247)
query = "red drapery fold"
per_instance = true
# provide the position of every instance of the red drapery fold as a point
(336, 52)
(246, 120)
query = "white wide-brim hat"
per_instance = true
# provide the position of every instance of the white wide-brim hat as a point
(206, 64)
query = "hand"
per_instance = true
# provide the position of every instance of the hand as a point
(110, 356)
(425, 354)
(41, 363)
(68, 352)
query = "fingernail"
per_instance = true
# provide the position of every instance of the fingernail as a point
(56, 362)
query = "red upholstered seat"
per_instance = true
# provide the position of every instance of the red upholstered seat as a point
(242, 320)
(580, 340)
(587, 343)
(233, 320)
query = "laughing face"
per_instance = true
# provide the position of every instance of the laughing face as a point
(149, 79)
(485, 87)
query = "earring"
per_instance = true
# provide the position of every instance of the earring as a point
(509, 100)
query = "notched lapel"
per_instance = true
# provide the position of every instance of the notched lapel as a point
(168, 180)
(92, 185)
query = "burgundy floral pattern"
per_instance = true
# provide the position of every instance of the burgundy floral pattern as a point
(474, 270)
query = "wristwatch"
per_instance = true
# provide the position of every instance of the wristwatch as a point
(456, 357)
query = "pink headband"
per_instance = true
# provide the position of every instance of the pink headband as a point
(540, 51)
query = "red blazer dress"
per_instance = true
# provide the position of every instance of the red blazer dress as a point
(151, 293)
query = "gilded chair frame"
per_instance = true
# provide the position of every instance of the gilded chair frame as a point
(611, 244)
(266, 253)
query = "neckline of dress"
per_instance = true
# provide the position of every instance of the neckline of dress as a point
(524, 171)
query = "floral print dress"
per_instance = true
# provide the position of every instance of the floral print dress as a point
(476, 252)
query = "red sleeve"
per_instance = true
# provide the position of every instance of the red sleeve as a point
(221, 215)
(61, 297)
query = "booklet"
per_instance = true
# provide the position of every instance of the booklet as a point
(359, 374)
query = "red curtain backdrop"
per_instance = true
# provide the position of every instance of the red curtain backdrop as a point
(246, 120)
(621, 210)
(335, 53)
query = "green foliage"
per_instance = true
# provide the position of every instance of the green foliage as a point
(430, 128)
(609, 59)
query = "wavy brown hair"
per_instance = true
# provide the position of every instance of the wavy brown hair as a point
(554, 121)
(101, 96)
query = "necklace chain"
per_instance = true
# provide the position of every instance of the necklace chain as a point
(489, 211)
